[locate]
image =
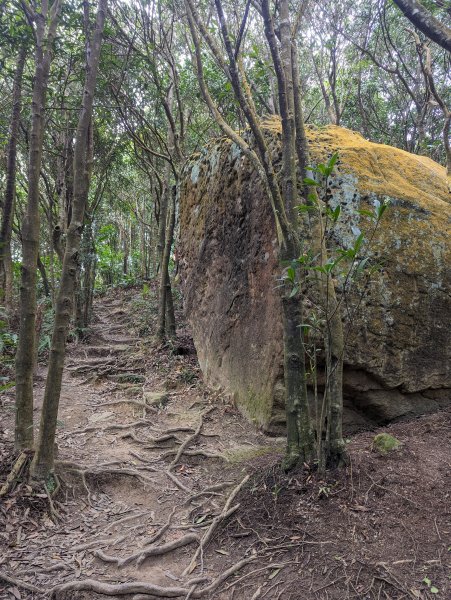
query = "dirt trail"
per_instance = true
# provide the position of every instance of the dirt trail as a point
(143, 469)
(150, 463)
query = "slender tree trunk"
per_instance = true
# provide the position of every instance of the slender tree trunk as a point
(45, 279)
(30, 233)
(299, 439)
(6, 274)
(165, 283)
(334, 340)
(170, 313)
(164, 235)
(44, 458)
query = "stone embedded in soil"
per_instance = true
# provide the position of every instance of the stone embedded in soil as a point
(102, 416)
(385, 443)
(156, 398)
(127, 378)
(397, 356)
(133, 390)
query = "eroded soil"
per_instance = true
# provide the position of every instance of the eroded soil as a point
(153, 489)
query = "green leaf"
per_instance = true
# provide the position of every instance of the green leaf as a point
(319, 269)
(312, 198)
(433, 590)
(310, 181)
(358, 243)
(362, 264)
(381, 209)
(294, 291)
(336, 214)
(305, 208)
(291, 274)
(201, 519)
(333, 160)
(6, 386)
(427, 581)
(366, 213)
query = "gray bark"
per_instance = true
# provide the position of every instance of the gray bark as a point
(43, 461)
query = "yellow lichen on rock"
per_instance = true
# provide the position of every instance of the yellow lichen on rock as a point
(398, 348)
(379, 168)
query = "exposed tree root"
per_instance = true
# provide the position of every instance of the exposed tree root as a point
(104, 469)
(226, 511)
(213, 489)
(129, 401)
(119, 589)
(204, 453)
(143, 589)
(126, 519)
(190, 439)
(140, 423)
(156, 536)
(18, 468)
(19, 583)
(149, 551)
(177, 481)
(53, 512)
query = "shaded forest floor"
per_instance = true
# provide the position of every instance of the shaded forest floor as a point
(164, 483)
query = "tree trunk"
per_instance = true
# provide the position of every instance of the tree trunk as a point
(44, 458)
(30, 234)
(426, 22)
(6, 274)
(334, 340)
(165, 282)
(170, 313)
(299, 439)
(45, 279)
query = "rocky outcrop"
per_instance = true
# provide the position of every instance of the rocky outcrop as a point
(397, 356)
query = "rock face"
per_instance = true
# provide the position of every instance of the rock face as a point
(397, 356)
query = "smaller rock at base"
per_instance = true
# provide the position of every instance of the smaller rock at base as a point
(158, 399)
(131, 391)
(385, 443)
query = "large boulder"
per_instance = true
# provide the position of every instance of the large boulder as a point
(397, 356)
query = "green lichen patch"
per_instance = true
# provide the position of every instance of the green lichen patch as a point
(385, 443)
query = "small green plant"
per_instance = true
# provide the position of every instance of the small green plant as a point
(324, 491)
(385, 443)
(343, 261)
(431, 587)
(276, 491)
(51, 484)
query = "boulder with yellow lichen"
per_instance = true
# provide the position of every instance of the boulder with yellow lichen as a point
(398, 350)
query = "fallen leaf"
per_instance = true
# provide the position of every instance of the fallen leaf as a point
(359, 508)
(15, 592)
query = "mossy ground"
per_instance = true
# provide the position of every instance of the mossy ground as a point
(385, 443)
